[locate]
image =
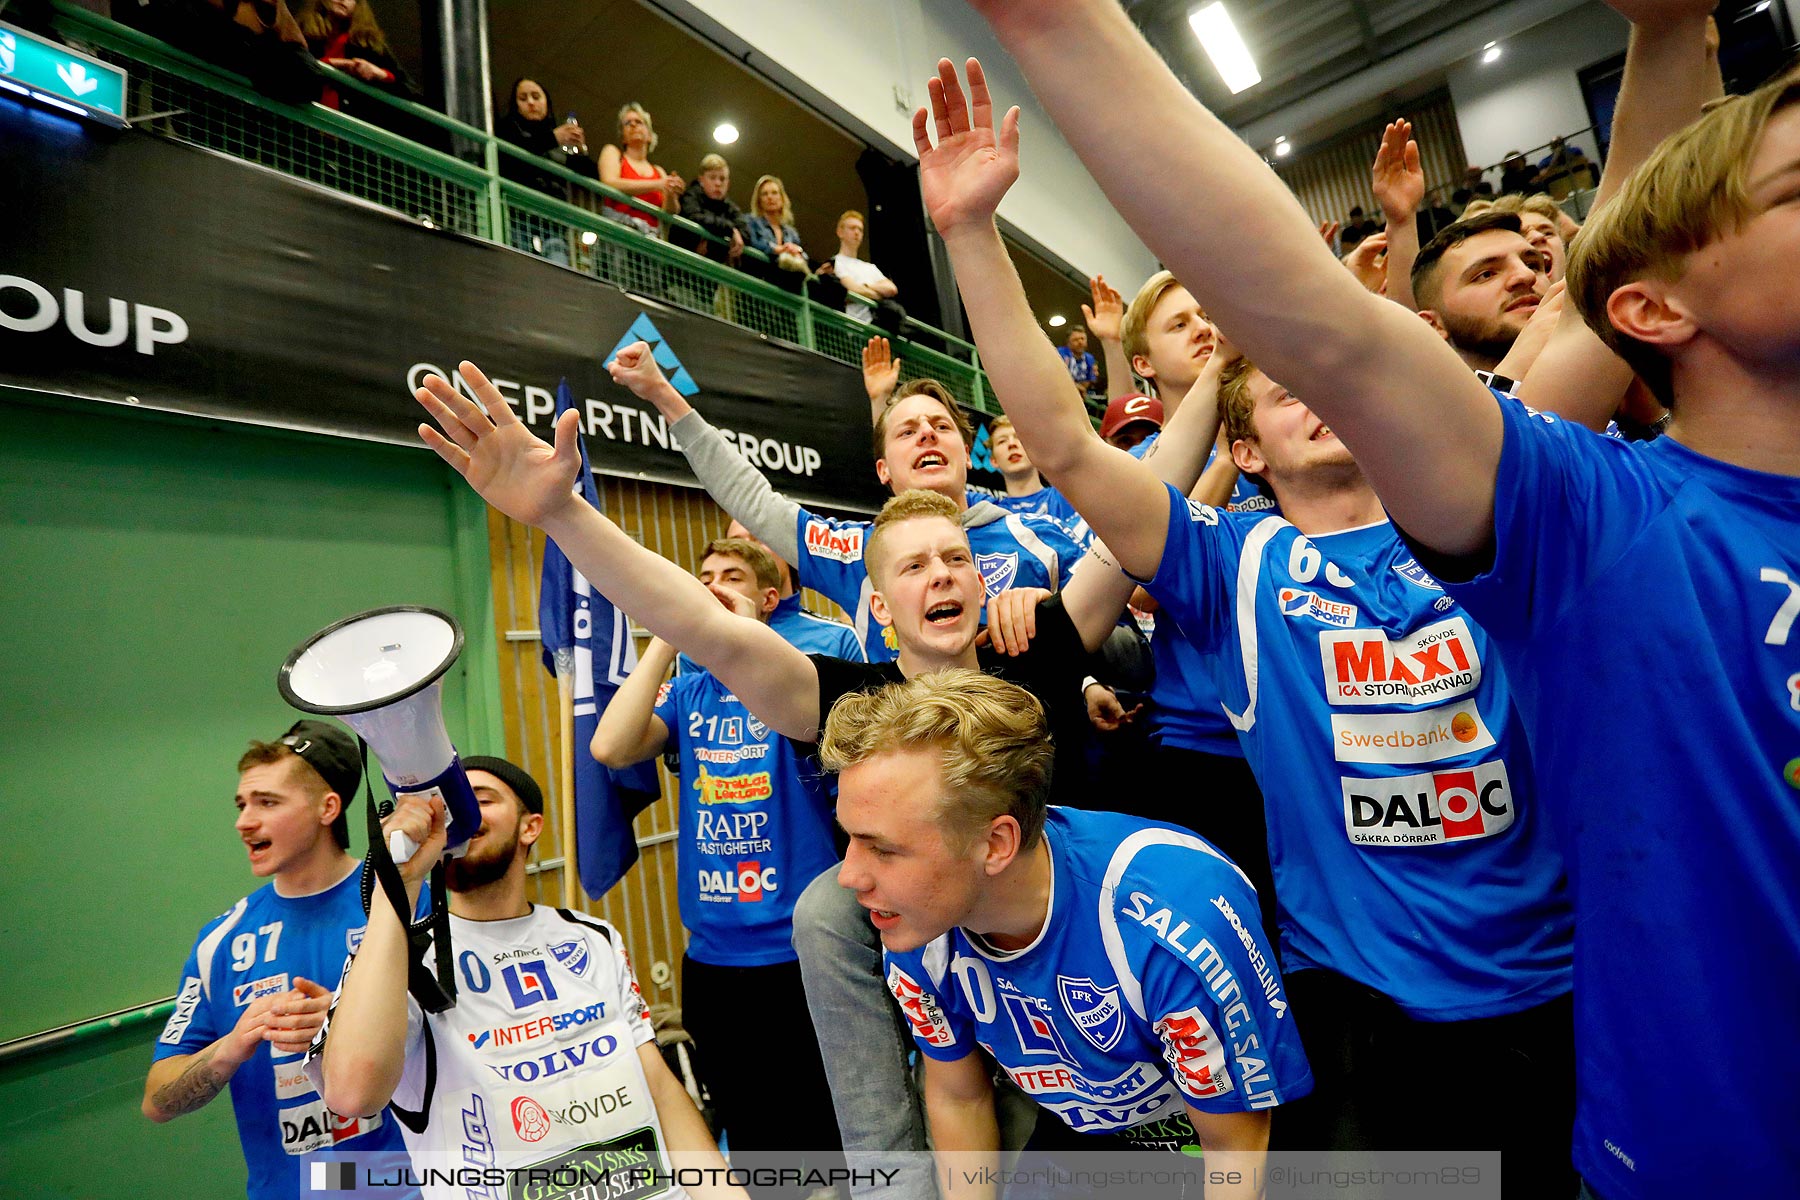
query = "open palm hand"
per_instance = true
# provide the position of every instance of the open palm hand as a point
(966, 173)
(513, 469)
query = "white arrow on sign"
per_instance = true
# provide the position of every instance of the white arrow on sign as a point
(6, 51)
(76, 76)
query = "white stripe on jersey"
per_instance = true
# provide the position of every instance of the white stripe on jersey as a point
(937, 959)
(1110, 935)
(203, 953)
(1033, 545)
(1249, 579)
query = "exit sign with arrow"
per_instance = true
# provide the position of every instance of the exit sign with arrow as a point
(53, 74)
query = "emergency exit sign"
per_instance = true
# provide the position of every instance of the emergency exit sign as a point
(54, 75)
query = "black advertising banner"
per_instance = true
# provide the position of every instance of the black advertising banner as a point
(142, 271)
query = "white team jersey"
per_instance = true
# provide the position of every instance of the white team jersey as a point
(536, 1064)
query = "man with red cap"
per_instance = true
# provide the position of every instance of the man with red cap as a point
(1130, 419)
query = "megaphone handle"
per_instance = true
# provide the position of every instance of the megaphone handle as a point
(401, 847)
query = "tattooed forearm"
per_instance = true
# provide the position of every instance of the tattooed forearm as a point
(193, 1088)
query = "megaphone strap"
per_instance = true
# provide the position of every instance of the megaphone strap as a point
(435, 993)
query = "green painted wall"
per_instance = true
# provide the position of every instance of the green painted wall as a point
(154, 573)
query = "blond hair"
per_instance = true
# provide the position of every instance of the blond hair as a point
(910, 505)
(632, 106)
(851, 212)
(923, 387)
(992, 739)
(1692, 189)
(787, 207)
(760, 561)
(1132, 332)
(1513, 202)
(714, 162)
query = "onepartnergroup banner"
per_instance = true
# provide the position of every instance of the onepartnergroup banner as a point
(592, 1173)
(145, 272)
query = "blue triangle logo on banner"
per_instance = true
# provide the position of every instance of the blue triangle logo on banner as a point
(642, 330)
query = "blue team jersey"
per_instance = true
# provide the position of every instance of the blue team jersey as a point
(259, 948)
(1150, 986)
(1407, 843)
(811, 634)
(1644, 599)
(755, 825)
(1012, 551)
(802, 630)
(1045, 502)
(1185, 710)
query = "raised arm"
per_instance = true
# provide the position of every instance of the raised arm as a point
(1669, 75)
(532, 482)
(1425, 432)
(963, 178)
(1098, 593)
(738, 488)
(364, 1052)
(629, 731)
(1105, 318)
(881, 375)
(1398, 182)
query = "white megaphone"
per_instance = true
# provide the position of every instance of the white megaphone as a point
(379, 672)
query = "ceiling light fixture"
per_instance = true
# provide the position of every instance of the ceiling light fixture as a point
(1058, 321)
(1282, 147)
(1219, 38)
(725, 133)
(1490, 53)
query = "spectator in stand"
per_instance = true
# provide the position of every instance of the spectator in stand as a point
(627, 168)
(345, 34)
(711, 207)
(1565, 169)
(1355, 230)
(262, 41)
(1515, 174)
(1082, 367)
(526, 121)
(1438, 215)
(1472, 188)
(770, 228)
(868, 294)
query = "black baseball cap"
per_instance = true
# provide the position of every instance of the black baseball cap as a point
(523, 785)
(331, 751)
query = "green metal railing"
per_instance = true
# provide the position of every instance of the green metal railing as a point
(448, 174)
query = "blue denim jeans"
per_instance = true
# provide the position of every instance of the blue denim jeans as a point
(862, 1039)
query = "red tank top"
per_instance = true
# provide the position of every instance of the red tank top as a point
(653, 198)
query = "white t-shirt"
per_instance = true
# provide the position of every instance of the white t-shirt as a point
(860, 273)
(536, 1064)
